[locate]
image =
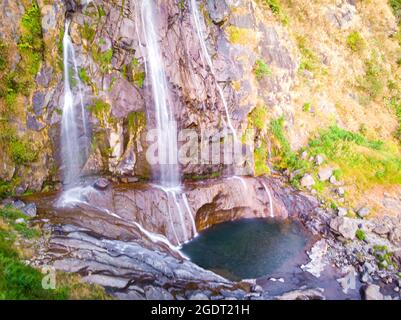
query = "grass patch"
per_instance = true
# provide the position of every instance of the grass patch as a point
(19, 281)
(101, 110)
(87, 32)
(258, 117)
(136, 122)
(396, 7)
(31, 40)
(373, 81)
(360, 161)
(276, 9)
(360, 235)
(242, 36)
(83, 75)
(103, 59)
(309, 61)
(261, 69)
(355, 41)
(261, 159)
(383, 256)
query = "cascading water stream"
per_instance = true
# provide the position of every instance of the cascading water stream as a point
(200, 33)
(165, 122)
(71, 145)
(74, 129)
(169, 176)
(270, 199)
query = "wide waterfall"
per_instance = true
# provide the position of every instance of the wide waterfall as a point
(201, 36)
(166, 133)
(74, 127)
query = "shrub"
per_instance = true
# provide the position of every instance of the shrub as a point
(242, 36)
(360, 234)
(277, 10)
(83, 75)
(258, 117)
(355, 41)
(3, 55)
(21, 151)
(31, 41)
(307, 107)
(101, 110)
(261, 69)
(396, 6)
(309, 60)
(373, 82)
(136, 122)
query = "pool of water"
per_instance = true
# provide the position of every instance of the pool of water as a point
(248, 248)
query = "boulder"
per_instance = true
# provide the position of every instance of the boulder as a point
(29, 210)
(325, 174)
(307, 181)
(346, 227)
(342, 212)
(303, 294)
(218, 10)
(319, 160)
(372, 292)
(198, 296)
(363, 212)
(348, 282)
(101, 184)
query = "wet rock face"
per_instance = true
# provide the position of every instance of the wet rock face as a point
(109, 52)
(176, 214)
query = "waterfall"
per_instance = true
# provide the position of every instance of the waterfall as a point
(270, 199)
(200, 33)
(165, 122)
(169, 175)
(72, 152)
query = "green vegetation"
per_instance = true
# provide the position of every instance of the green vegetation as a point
(103, 59)
(19, 281)
(395, 104)
(276, 9)
(396, 6)
(258, 117)
(383, 256)
(309, 60)
(357, 159)
(261, 159)
(19, 81)
(287, 158)
(261, 69)
(3, 55)
(136, 122)
(87, 32)
(307, 107)
(373, 82)
(83, 75)
(242, 36)
(20, 149)
(355, 41)
(360, 235)
(101, 110)
(31, 41)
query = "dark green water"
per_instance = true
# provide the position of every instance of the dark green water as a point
(248, 248)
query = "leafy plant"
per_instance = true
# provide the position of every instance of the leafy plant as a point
(258, 117)
(355, 41)
(360, 235)
(261, 69)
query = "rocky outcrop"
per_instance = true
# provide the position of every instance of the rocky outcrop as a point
(177, 214)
